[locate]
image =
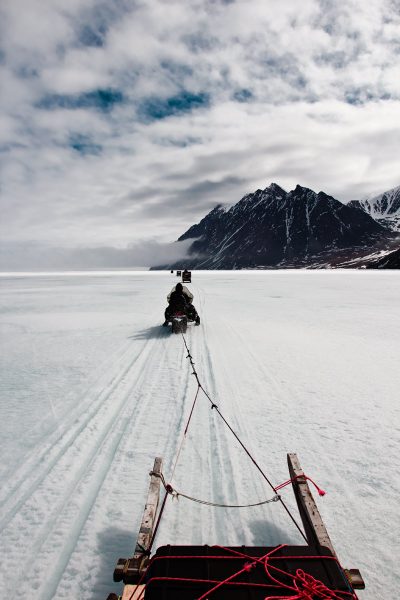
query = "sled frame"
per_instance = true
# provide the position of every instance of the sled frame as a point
(133, 568)
(130, 570)
(314, 527)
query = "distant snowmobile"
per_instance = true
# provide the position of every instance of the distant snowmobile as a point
(186, 276)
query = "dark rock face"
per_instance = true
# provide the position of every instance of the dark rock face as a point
(384, 208)
(273, 228)
(390, 261)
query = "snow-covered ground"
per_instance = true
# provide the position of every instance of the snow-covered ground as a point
(93, 388)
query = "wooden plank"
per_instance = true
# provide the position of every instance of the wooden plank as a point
(150, 511)
(355, 578)
(136, 565)
(314, 527)
(132, 592)
(129, 570)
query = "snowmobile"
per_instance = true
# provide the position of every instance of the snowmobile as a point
(186, 276)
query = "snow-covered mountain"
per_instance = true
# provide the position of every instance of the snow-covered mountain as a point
(275, 228)
(384, 208)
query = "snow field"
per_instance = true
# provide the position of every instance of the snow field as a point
(93, 388)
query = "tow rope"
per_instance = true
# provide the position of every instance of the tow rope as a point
(171, 491)
(217, 410)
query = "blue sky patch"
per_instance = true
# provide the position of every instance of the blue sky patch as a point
(96, 21)
(84, 144)
(179, 143)
(176, 71)
(103, 100)
(358, 96)
(160, 108)
(243, 95)
(92, 36)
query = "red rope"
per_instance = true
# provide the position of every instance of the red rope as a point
(247, 567)
(303, 585)
(214, 406)
(310, 585)
(238, 583)
(233, 583)
(240, 556)
(285, 483)
(139, 583)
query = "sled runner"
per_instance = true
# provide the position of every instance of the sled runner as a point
(237, 573)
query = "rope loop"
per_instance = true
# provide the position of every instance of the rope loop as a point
(175, 496)
(311, 587)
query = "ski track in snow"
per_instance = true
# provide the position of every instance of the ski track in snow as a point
(21, 485)
(72, 502)
(91, 444)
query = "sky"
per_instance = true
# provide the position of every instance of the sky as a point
(123, 123)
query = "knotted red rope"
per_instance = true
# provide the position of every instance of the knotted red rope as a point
(282, 485)
(304, 585)
(247, 567)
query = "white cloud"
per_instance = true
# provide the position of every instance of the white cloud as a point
(308, 96)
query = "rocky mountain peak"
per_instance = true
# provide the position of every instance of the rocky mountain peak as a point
(274, 188)
(272, 227)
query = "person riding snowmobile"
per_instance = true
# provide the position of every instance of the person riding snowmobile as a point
(188, 295)
(180, 298)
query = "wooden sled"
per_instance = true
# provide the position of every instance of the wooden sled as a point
(233, 573)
